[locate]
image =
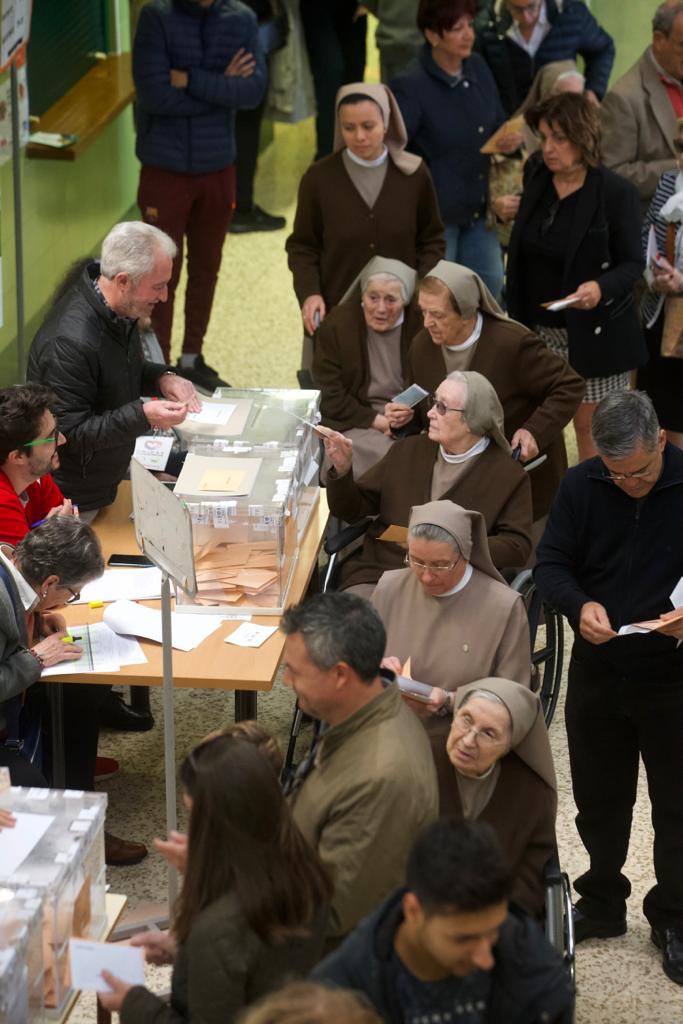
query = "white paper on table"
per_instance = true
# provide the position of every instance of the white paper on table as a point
(188, 631)
(89, 959)
(214, 414)
(16, 843)
(250, 634)
(99, 652)
(124, 584)
(553, 307)
(152, 451)
(128, 650)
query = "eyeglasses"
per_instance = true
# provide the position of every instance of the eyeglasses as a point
(524, 8)
(75, 595)
(482, 737)
(618, 478)
(419, 566)
(441, 407)
(52, 439)
(549, 219)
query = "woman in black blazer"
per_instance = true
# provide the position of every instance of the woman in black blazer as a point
(577, 234)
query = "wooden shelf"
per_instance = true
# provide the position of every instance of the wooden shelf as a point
(87, 108)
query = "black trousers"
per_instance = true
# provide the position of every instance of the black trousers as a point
(82, 703)
(336, 53)
(247, 136)
(611, 719)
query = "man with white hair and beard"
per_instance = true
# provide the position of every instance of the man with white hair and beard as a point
(88, 353)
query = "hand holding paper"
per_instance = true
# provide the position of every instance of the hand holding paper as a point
(89, 959)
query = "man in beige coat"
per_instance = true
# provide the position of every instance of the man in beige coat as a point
(639, 112)
(369, 783)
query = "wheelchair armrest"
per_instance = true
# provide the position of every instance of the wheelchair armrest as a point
(350, 533)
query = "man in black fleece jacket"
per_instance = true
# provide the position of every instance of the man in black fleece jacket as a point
(611, 556)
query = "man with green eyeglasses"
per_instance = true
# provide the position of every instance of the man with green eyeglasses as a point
(611, 557)
(29, 442)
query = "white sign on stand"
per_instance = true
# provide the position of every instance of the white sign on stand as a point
(15, 25)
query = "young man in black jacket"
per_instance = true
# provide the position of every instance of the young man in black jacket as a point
(610, 557)
(448, 946)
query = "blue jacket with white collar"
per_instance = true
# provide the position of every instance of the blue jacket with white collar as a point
(448, 120)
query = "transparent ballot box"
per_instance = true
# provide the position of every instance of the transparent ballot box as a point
(278, 417)
(250, 506)
(60, 858)
(21, 956)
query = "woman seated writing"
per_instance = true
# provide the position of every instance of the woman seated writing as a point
(47, 569)
(360, 355)
(252, 909)
(450, 613)
(463, 458)
(497, 765)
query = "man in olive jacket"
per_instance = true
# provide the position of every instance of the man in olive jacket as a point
(369, 784)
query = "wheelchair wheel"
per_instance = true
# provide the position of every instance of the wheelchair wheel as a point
(546, 629)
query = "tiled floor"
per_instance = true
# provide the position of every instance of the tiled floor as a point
(254, 340)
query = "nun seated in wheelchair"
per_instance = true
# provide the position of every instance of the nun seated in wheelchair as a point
(360, 355)
(464, 457)
(449, 614)
(497, 766)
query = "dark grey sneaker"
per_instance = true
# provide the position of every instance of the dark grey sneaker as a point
(255, 219)
(202, 375)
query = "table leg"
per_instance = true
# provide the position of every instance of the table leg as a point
(245, 705)
(56, 697)
(103, 1016)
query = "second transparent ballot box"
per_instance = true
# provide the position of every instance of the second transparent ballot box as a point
(21, 956)
(61, 859)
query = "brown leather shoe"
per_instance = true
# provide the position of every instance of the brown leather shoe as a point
(121, 853)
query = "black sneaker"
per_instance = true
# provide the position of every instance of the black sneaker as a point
(255, 219)
(591, 928)
(202, 375)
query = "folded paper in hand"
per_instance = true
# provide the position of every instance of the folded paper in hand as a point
(89, 959)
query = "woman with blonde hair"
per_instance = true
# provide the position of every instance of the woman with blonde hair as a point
(307, 1003)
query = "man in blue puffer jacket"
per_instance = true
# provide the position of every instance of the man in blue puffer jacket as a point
(195, 63)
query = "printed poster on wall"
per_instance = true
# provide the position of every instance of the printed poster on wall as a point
(15, 23)
(6, 109)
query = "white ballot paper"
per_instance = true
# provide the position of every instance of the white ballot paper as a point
(121, 584)
(554, 307)
(250, 634)
(99, 647)
(214, 414)
(189, 631)
(676, 598)
(16, 843)
(89, 959)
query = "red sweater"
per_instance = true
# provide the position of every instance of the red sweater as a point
(15, 517)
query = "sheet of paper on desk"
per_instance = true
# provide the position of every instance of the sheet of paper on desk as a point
(123, 584)
(16, 843)
(215, 414)
(189, 631)
(250, 634)
(99, 648)
(89, 959)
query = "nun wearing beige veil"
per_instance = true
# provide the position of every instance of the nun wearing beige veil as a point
(497, 766)
(449, 613)
(369, 197)
(465, 329)
(360, 356)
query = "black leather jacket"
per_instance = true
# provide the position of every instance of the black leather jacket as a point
(93, 363)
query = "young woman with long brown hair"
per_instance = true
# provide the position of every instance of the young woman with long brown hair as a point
(252, 908)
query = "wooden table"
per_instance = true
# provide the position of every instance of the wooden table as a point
(212, 665)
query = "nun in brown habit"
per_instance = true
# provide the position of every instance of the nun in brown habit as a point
(497, 766)
(360, 356)
(538, 391)
(450, 612)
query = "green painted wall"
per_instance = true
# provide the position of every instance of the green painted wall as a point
(629, 22)
(68, 208)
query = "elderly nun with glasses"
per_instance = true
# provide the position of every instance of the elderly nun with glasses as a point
(359, 360)
(449, 613)
(464, 457)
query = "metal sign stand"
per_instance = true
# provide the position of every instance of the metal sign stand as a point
(163, 529)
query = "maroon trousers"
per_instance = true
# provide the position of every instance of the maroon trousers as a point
(198, 207)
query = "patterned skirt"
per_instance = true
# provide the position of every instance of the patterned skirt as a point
(596, 387)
